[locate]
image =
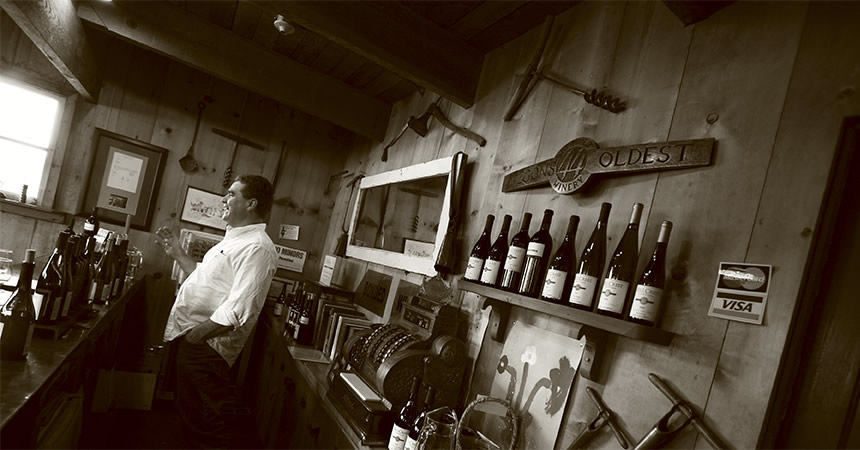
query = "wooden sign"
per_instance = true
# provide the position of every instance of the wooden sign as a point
(574, 164)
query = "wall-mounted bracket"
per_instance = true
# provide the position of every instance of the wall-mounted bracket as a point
(499, 318)
(592, 353)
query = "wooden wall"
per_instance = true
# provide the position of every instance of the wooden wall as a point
(777, 77)
(152, 99)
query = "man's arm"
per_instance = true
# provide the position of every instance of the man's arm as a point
(171, 247)
(203, 331)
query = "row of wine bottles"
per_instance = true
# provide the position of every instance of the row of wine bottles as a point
(77, 273)
(410, 418)
(300, 317)
(525, 267)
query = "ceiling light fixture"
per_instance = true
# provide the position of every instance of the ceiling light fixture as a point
(283, 26)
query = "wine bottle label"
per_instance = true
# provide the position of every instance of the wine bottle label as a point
(92, 296)
(474, 268)
(38, 299)
(646, 303)
(553, 286)
(279, 309)
(296, 332)
(115, 289)
(612, 296)
(536, 249)
(410, 444)
(490, 273)
(514, 261)
(55, 307)
(582, 291)
(304, 320)
(398, 438)
(28, 339)
(89, 226)
(67, 303)
(105, 293)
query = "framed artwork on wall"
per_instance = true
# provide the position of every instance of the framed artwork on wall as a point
(202, 207)
(125, 175)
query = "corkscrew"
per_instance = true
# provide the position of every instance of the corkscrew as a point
(534, 73)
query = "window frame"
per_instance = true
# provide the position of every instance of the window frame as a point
(56, 148)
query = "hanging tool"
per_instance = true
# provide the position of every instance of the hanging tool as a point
(533, 74)
(188, 163)
(420, 126)
(662, 433)
(278, 166)
(604, 417)
(228, 174)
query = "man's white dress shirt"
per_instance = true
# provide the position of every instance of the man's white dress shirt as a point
(229, 287)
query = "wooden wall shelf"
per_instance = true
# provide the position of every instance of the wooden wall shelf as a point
(588, 319)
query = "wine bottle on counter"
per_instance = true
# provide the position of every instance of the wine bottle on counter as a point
(555, 286)
(305, 335)
(91, 224)
(48, 297)
(405, 418)
(587, 276)
(496, 255)
(645, 307)
(479, 252)
(621, 270)
(537, 257)
(512, 270)
(412, 439)
(281, 302)
(19, 315)
(121, 249)
(67, 264)
(100, 283)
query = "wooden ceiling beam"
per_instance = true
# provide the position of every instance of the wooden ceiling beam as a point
(56, 31)
(395, 37)
(179, 35)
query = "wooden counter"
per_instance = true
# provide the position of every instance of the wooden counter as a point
(290, 395)
(34, 388)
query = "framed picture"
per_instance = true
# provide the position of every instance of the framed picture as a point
(203, 208)
(125, 175)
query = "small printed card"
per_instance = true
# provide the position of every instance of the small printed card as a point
(741, 292)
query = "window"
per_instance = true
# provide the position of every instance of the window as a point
(29, 122)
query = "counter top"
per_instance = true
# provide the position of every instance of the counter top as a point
(20, 381)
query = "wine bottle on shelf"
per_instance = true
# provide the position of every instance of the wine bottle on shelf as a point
(645, 307)
(19, 316)
(281, 302)
(537, 257)
(555, 286)
(621, 270)
(67, 265)
(405, 418)
(479, 252)
(587, 275)
(512, 270)
(48, 297)
(496, 255)
(91, 224)
(412, 439)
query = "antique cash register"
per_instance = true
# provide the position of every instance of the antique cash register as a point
(376, 368)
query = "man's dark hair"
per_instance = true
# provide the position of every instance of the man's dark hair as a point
(259, 188)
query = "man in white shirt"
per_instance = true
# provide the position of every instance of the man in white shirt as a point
(217, 306)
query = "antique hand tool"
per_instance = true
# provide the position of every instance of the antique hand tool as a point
(420, 126)
(187, 162)
(663, 433)
(604, 417)
(228, 174)
(533, 74)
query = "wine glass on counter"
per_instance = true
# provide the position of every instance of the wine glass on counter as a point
(5, 265)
